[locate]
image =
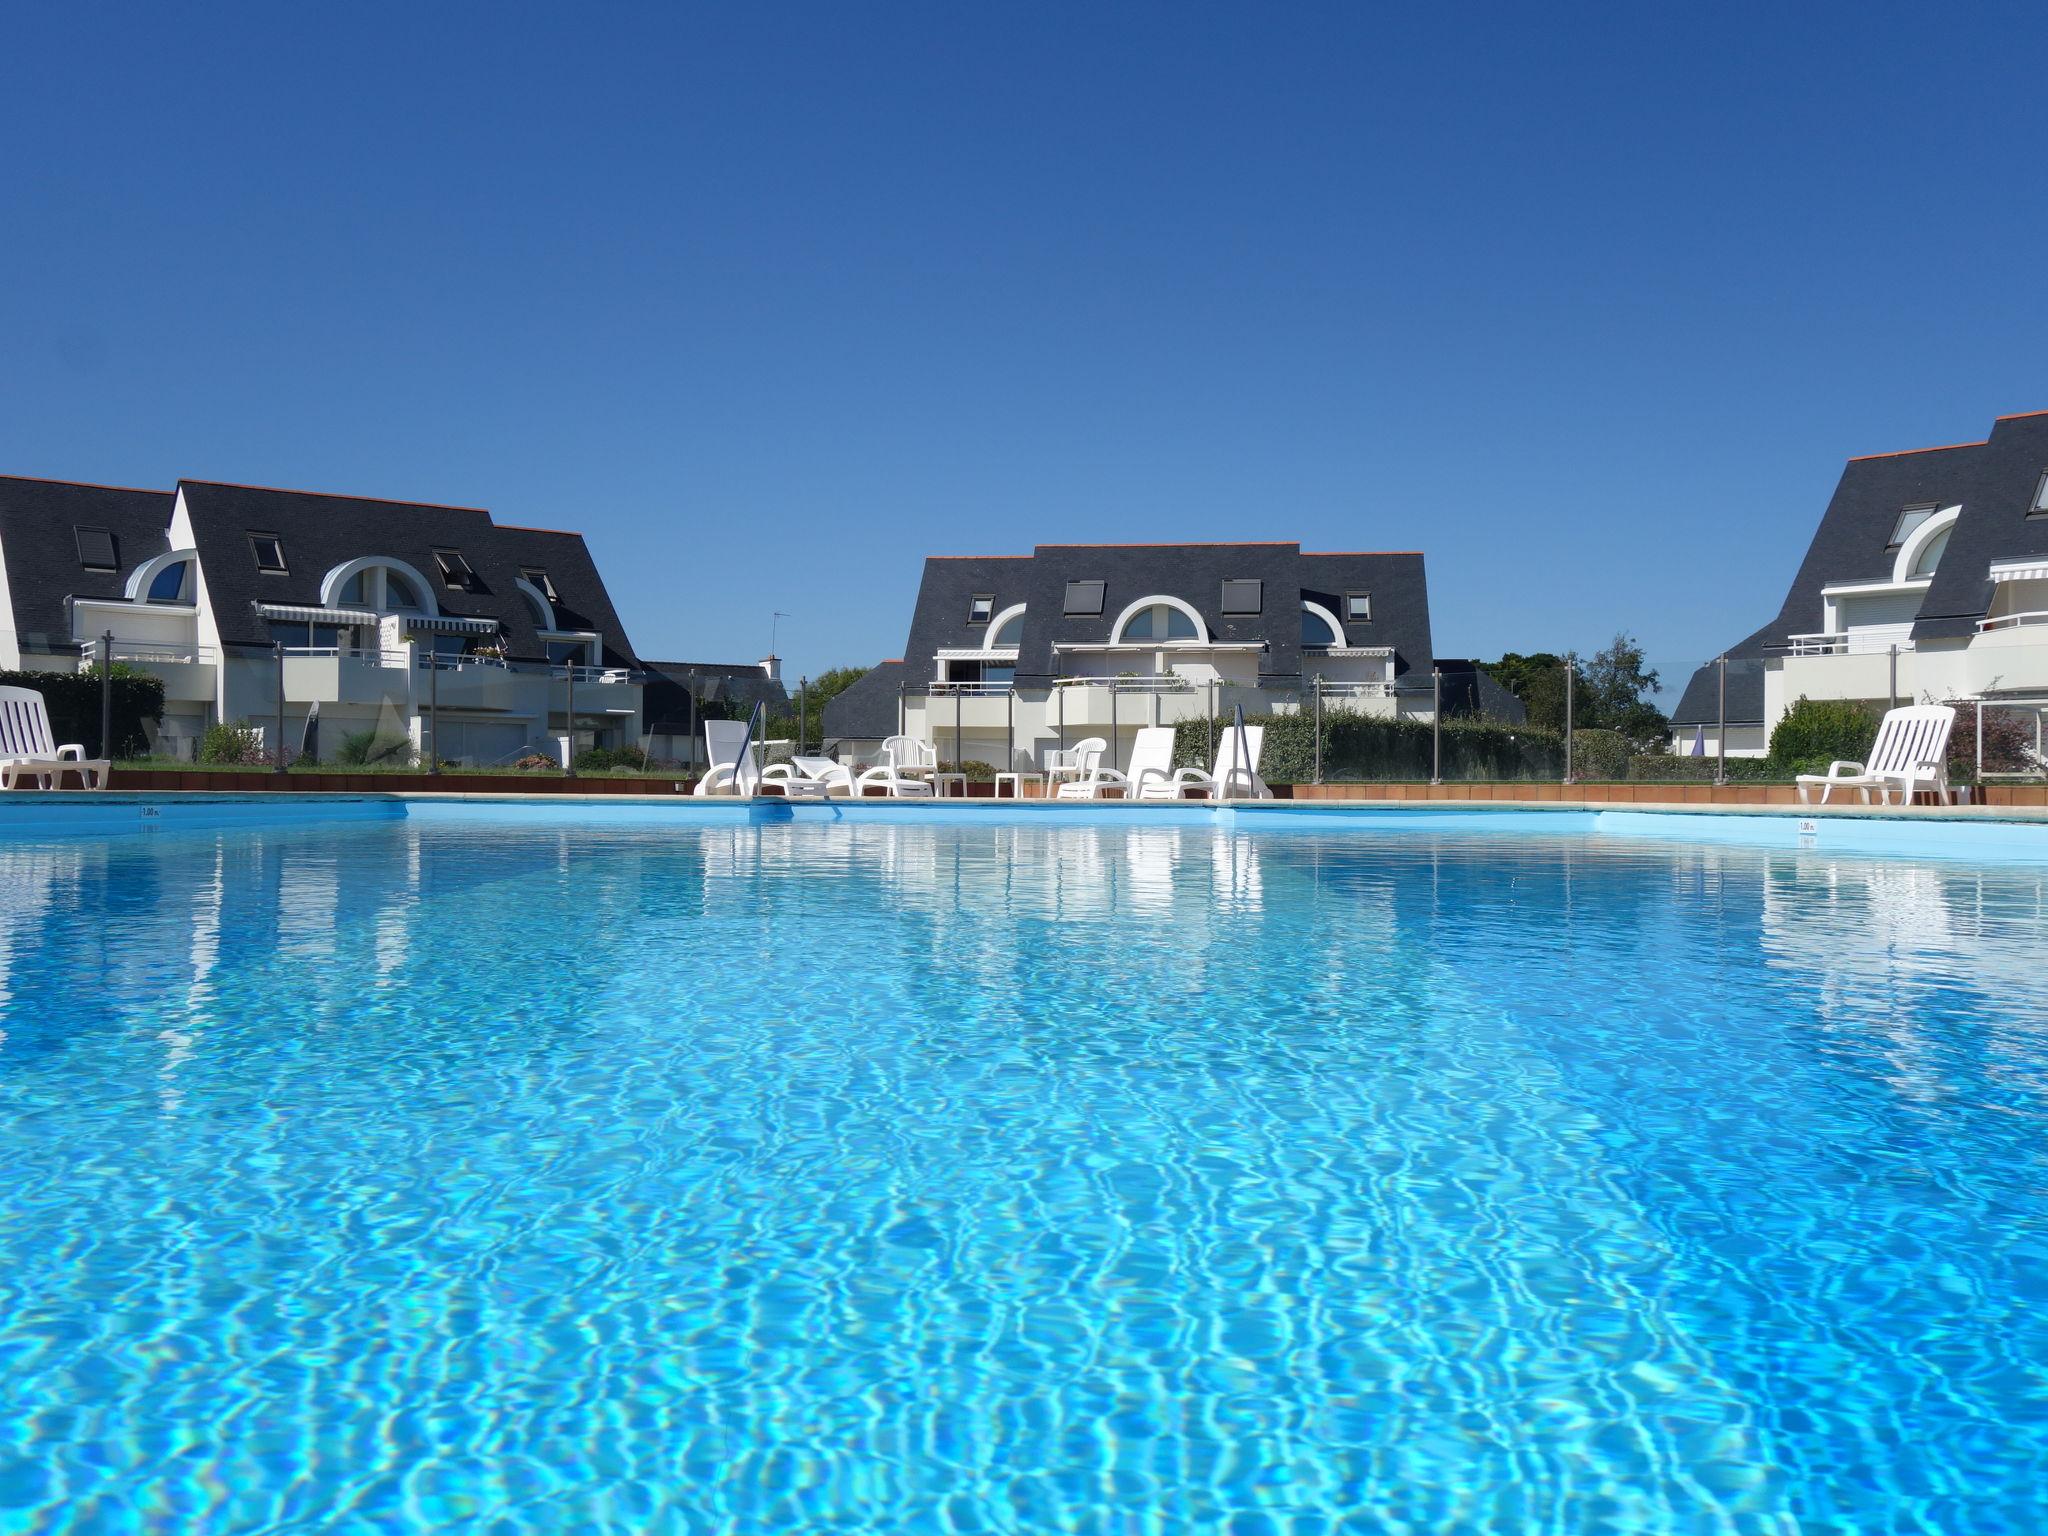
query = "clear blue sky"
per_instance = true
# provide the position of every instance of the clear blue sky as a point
(773, 301)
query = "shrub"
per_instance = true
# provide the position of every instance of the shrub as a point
(977, 771)
(225, 743)
(2008, 742)
(365, 748)
(610, 759)
(534, 762)
(73, 700)
(1822, 730)
(1676, 768)
(1600, 755)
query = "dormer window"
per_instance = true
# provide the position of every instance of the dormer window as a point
(1357, 607)
(1084, 600)
(96, 549)
(981, 608)
(269, 552)
(1909, 520)
(2039, 506)
(1243, 598)
(456, 575)
(541, 583)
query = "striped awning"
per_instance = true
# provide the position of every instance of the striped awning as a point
(2020, 570)
(451, 626)
(290, 613)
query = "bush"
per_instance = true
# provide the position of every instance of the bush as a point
(73, 700)
(364, 748)
(610, 759)
(977, 771)
(1367, 748)
(1822, 730)
(1600, 755)
(2008, 742)
(535, 762)
(224, 743)
(1670, 768)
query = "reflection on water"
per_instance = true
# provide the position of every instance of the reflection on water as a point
(1015, 1176)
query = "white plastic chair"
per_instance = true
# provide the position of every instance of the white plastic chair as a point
(1235, 774)
(1909, 755)
(1075, 762)
(26, 746)
(1151, 765)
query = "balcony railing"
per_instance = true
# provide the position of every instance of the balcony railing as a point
(1850, 643)
(160, 652)
(366, 654)
(1155, 684)
(942, 685)
(2013, 620)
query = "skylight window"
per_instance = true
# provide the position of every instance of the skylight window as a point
(539, 578)
(455, 572)
(1243, 597)
(96, 549)
(981, 608)
(1357, 607)
(1084, 599)
(1910, 519)
(269, 552)
(2039, 507)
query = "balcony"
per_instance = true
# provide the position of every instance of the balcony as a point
(1875, 640)
(190, 673)
(338, 675)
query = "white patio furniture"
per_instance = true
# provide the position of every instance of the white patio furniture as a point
(734, 770)
(949, 786)
(891, 781)
(1909, 755)
(1151, 766)
(1016, 779)
(910, 756)
(1235, 774)
(26, 746)
(1075, 762)
(836, 777)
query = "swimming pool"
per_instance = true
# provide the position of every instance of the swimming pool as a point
(479, 1169)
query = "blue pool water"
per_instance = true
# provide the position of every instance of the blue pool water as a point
(513, 1174)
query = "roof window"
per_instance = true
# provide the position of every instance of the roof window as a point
(2039, 506)
(1357, 607)
(96, 549)
(539, 578)
(455, 572)
(1243, 597)
(1084, 599)
(269, 552)
(981, 608)
(1910, 519)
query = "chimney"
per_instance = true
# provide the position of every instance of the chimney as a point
(772, 667)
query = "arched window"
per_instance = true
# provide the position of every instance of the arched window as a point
(1316, 628)
(1159, 622)
(172, 584)
(1930, 557)
(381, 586)
(1009, 634)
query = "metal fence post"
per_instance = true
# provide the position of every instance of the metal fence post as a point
(433, 710)
(569, 719)
(277, 648)
(902, 690)
(1209, 725)
(1112, 726)
(106, 695)
(1061, 694)
(1010, 733)
(1721, 725)
(803, 715)
(958, 705)
(1436, 725)
(1892, 681)
(1570, 687)
(1319, 727)
(1980, 745)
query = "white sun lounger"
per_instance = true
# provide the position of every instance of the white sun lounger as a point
(1909, 755)
(26, 746)
(1064, 766)
(1151, 765)
(1234, 776)
(729, 775)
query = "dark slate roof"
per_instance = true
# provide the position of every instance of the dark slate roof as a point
(868, 710)
(36, 522)
(1994, 526)
(1701, 705)
(581, 601)
(1469, 691)
(320, 532)
(672, 684)
(1194, 573)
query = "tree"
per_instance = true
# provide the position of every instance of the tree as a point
(1619, 682)
(818, 692)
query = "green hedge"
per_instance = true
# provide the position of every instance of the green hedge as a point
(73, 699)
(1365, 749)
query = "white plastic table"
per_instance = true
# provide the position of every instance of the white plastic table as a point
(1017, 782)
(942, 782)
